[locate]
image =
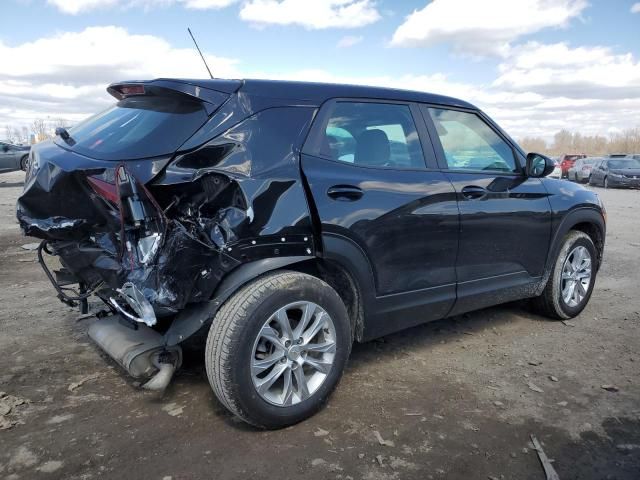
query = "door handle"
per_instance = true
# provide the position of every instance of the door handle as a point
(345, 192)
(471, 192)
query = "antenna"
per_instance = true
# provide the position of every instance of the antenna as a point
(198, 48)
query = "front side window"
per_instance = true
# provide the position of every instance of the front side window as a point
(470, 144)
(372, 134)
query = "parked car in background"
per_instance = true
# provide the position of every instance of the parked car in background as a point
(618, 172)
(567, 161)
(288, 220)
(13, 157)
(557, 170)
(581, 170)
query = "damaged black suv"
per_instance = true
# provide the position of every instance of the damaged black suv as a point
(288, 220)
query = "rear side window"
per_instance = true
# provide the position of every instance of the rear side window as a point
(138, 127)
(372, 134)
(469, 143)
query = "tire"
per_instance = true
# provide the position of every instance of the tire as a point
(551, 303)
(605, 182)
(235, 343)
(23, 163)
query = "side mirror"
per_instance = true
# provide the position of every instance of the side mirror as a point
(538, 165)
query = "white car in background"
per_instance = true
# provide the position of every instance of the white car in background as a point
(557, 171)
(581, 169)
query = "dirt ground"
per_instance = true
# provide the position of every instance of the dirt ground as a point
(457, 398)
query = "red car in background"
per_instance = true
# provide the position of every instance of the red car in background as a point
(567, 161)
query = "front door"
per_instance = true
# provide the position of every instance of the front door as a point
(505, 217)
(365, 166)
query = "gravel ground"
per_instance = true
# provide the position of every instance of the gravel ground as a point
(457, 398)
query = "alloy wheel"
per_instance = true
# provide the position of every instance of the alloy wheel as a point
(576, 276)
(293, 353)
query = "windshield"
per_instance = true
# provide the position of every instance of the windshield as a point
(622, 164)
(137, 127)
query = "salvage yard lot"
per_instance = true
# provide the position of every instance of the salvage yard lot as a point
(457, 398)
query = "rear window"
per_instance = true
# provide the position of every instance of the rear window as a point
(138, 127)
(633, 163)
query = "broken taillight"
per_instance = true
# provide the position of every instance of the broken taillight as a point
(106, 190)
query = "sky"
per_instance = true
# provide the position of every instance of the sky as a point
(535, 66)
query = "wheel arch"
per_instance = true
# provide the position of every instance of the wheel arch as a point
(588, 220)
(339, 268)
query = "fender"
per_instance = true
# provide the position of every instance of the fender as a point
(573, 217)
(349, 255)
(196, 315)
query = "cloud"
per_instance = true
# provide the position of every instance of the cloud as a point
(556, 70)
(538, 88)
(313, 15)
(76, 7)
(66, 74)
(349, 41)
(635, 8)
(206, 4)
(482, 27)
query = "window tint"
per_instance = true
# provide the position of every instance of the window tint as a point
(138, 127)
(469, 143)
(631, 163)
(372, 134)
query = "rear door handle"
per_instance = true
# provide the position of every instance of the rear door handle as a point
(471, 192)
(345, 193)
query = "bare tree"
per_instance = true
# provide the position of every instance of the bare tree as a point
(24, 137)
(9, 134)
(40, 130)
(534, 144)
(564, 141)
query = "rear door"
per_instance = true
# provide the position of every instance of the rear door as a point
(505, 217)
(365, 165)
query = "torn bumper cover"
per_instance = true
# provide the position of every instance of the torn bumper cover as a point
(117, 242)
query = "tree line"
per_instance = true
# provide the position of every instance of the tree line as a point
(627, 141)
(38, 131)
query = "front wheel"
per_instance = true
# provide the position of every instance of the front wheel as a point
(24, 163)
(606, 182)
(277, 349)
(572, 279)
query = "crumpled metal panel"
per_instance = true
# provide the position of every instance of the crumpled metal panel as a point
(171, 234)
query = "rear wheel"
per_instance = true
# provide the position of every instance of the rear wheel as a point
(572, 279)
(277, 349)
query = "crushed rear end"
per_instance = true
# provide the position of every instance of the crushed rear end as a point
(149, 205)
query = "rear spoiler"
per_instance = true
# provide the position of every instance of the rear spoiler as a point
(213, 92)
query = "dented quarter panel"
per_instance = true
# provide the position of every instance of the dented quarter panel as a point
(260, 157)
(236, 199)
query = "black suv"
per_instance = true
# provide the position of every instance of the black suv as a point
(288, 220)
